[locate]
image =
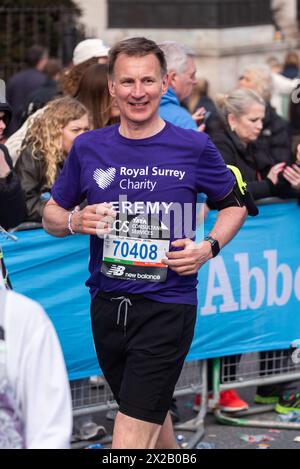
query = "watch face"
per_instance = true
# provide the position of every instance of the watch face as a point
(215, 248)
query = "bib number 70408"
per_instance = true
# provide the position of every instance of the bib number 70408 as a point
(137, 250)
(150, 251)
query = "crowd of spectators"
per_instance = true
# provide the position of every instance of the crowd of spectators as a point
(268, 162)
(48, 107)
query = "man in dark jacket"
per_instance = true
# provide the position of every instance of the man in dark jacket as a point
(45, 93)
(12, 200)
(23, 83)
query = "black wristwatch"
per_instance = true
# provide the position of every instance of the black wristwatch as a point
(215, 248)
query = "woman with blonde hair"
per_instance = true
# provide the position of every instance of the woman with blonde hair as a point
(258, 77)
(243, 112)
(275, 137)
(45, 148)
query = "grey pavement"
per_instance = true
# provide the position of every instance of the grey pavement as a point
(222, 436)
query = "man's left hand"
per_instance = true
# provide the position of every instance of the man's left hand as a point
(189, 260)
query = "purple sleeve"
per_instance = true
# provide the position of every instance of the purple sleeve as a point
(67, 191)
(212, 176)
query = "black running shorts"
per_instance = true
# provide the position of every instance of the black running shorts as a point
(141, 350)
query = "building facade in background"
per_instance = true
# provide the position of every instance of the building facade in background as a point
(225, 34)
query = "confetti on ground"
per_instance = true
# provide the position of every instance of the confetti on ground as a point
(256, 438)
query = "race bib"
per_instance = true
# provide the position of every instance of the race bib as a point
(126, 257)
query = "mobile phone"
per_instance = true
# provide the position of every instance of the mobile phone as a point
(206, 117)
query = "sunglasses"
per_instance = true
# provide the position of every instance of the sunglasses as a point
(4, 119)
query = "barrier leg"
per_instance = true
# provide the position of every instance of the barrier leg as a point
(196, 424)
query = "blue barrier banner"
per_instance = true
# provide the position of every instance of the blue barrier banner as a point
(53, 271)
(249, 295)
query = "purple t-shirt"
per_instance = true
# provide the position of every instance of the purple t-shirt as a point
(153, 184)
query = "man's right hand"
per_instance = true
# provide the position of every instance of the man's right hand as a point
(93, 219)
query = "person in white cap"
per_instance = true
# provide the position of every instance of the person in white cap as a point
(86, 53)
(88, 49)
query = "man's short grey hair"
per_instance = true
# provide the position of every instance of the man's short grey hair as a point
(176, 55)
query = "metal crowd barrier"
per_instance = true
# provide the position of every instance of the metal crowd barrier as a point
(89, 397)
(253, 369)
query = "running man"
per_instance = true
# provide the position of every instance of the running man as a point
(143, 275)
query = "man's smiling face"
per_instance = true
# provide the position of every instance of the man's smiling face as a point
(137, 85)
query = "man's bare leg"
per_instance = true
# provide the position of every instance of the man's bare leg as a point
(130, 433)
(166, 438)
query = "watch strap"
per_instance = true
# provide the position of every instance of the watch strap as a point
(215, 248)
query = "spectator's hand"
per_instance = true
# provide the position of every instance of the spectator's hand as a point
(275, 171)
(4, 168)
(198, 115)
(93, 219)
(292, 175)
(189, 260)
